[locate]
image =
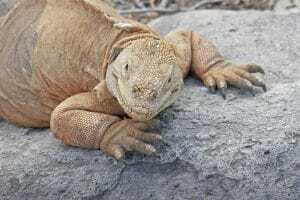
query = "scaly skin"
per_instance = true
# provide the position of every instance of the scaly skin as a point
(82, 69)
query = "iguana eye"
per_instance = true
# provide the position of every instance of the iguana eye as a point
(126, 67)
(125, 70)
(169, 80)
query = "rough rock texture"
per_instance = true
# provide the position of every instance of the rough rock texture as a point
(6, 5)
(242, 148)
(286, 5)
(210, 4)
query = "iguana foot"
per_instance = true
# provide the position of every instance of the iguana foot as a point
(127, 135)
(218, 77)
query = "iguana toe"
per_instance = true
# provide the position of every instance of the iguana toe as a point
(133, 144)
(116, 151)
(210, 82)
(221, 84)
(253, 68)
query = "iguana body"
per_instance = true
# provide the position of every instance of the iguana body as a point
(79, 67)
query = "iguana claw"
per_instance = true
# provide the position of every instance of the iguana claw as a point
(238, 76)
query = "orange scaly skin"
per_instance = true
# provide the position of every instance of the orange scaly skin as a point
(80, 68)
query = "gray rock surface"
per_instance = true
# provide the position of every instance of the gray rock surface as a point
(6, 5)
(287, 5)
(242, 148)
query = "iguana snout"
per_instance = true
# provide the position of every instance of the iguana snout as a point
(145, 78)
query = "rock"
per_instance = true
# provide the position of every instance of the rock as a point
(244, 147)
(6, 5)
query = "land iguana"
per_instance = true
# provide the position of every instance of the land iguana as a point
(96, 78)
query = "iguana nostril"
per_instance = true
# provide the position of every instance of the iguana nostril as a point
(136, 89)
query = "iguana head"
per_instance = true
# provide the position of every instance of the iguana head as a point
(144, 77)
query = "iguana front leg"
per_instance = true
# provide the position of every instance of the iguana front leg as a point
(200, 56)
(91, 120)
